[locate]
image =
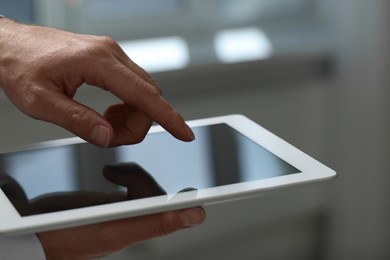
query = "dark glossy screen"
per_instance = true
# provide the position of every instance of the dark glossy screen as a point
(73, 176)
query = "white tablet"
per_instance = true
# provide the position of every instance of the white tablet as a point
(69, 182)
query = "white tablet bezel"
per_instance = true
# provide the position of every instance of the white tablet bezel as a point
(311, 170)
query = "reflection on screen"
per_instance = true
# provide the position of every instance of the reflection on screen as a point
(73, 176)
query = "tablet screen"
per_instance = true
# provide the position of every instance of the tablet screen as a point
(79, 175)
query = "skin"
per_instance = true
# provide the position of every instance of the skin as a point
(42, 68)
(40, 71)
(88, 242)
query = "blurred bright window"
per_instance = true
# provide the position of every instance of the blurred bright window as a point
(158, 54)
(242, 45)
(164, 35)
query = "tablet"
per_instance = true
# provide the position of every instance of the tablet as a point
(69, 182)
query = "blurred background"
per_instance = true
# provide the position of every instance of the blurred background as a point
(315, 72)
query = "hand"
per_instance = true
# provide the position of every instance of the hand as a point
(41, 69)
(96, 240)
(88, 242)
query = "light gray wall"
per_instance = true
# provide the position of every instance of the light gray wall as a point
(360, 200)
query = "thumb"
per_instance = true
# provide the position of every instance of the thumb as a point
(78, 119)
(125, 232)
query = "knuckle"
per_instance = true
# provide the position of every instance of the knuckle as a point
(160, 231)
(154, 92)
(107, 43)
(164, 226)
(146, 92)
(145, 75)
(31, 101)
(159, 89)
(74, 118)
(97, 46)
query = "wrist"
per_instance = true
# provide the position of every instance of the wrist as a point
(8, 30)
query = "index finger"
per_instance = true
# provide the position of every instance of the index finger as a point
(137, 92)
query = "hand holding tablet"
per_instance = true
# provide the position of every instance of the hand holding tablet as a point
(232, 158)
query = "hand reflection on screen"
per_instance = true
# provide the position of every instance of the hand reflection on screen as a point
(138, 183)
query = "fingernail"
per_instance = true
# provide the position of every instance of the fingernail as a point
(100, 134)
(190, 133)
(192, 217)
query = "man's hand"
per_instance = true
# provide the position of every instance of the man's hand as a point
(88, 242)
(41, 69)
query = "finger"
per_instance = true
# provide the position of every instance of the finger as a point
(116, 50)
(130, 64)
(138, 93)
(76, 118)
(130, 125)
(104, 238)
(129, 231)
(148, 99)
